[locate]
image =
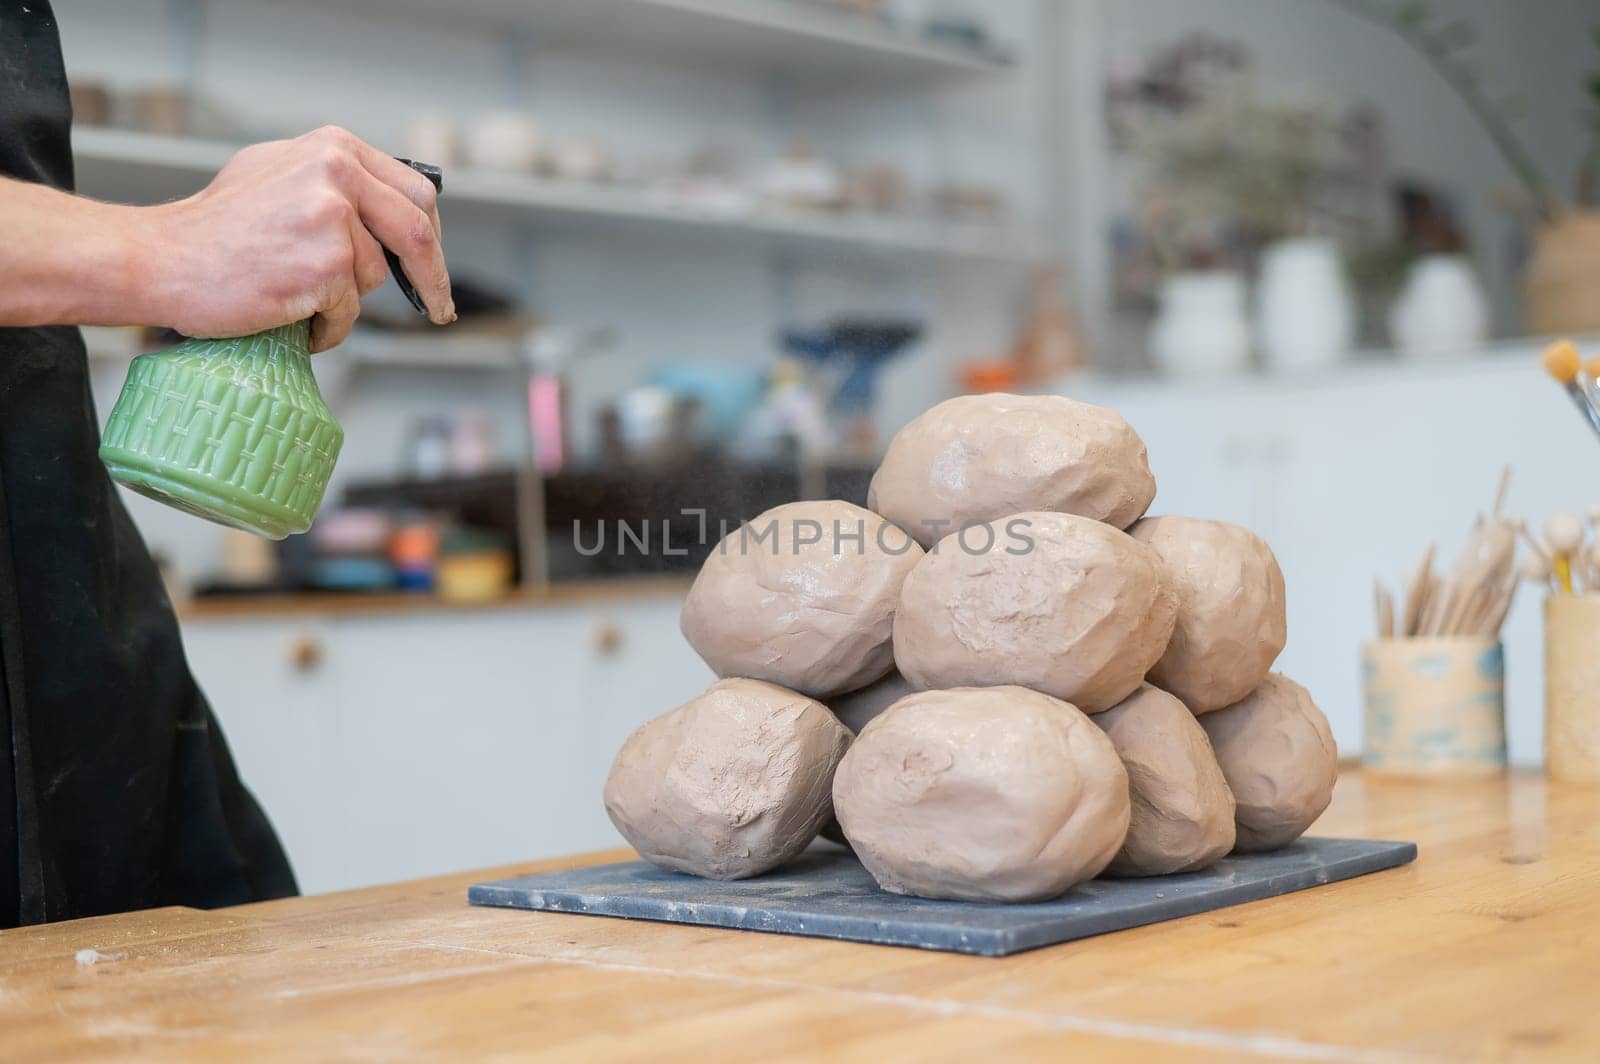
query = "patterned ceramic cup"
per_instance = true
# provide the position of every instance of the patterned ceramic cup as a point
(1434, 706)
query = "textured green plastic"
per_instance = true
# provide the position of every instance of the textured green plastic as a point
(234, 431)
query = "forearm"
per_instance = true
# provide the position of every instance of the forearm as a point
(67, 260)
(287, 230)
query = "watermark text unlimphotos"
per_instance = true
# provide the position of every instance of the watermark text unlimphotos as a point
(777, 536)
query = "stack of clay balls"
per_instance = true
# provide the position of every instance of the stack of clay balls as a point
(998, 681)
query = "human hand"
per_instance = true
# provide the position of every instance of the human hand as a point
(292, 229)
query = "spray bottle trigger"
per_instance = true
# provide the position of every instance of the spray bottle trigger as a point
(436, 176)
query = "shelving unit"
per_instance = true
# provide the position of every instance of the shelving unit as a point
(791, 38)
(123, 164)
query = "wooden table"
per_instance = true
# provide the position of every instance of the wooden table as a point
(1488, 946)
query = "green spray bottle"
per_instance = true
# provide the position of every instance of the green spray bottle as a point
(234, 430)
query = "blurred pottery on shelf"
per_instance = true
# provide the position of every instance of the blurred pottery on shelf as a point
(804, 179)
(1000, 375)
(1563, 283)
(1049, 346)
(432, 136)
(474, 566)
(91, 103)
(1441, 310)
(474, 443)
(649, 426)
(508, 141)
(164, 109)
(1304, 317)
(248, 560)
(1200, 327)
(581, 158)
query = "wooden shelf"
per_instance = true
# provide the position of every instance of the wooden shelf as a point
(379, 603)
(811, 44)
(141, 167)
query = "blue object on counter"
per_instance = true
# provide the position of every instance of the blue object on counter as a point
(352, 574)
(413, 578)
(857, 349)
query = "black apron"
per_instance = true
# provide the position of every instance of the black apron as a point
(116, 788)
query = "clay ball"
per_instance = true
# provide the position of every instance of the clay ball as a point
(733, 783)
(982, 794)
(802, 596)
(1062, 604)
(1231, 620)
(1280, 760)
(1182, 809)
(976, 458)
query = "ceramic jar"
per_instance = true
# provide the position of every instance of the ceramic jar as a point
(1304, 316)
(1441, 309)
(504, 141)
(1434, 705)
(1563, 284)
(1572, 688)
(1200, 327)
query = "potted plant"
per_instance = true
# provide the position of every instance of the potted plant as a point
(1226, 175)
(1562, 286)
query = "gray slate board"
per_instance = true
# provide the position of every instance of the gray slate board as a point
(827, 894)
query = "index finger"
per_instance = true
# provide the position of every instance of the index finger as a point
(412, 185)
(406, 231)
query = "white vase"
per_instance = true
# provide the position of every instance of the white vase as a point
(1200, 327)
(1441, 309)
(1304, 318)
(507, 141)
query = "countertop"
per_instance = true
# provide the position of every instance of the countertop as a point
(1487, 946)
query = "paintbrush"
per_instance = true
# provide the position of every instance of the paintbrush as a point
(1590, 379)
(1561, 361)
(1564, 534)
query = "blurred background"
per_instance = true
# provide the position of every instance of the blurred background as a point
(711, 254)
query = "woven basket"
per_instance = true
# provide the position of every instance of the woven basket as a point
(234, 431)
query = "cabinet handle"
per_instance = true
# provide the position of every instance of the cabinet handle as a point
(607, 639)
(306, 654)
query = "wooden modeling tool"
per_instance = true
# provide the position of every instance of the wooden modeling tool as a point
(1561, 361)
(1473, 597)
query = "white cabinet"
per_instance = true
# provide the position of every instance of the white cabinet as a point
(269, 685)
(393, 746)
